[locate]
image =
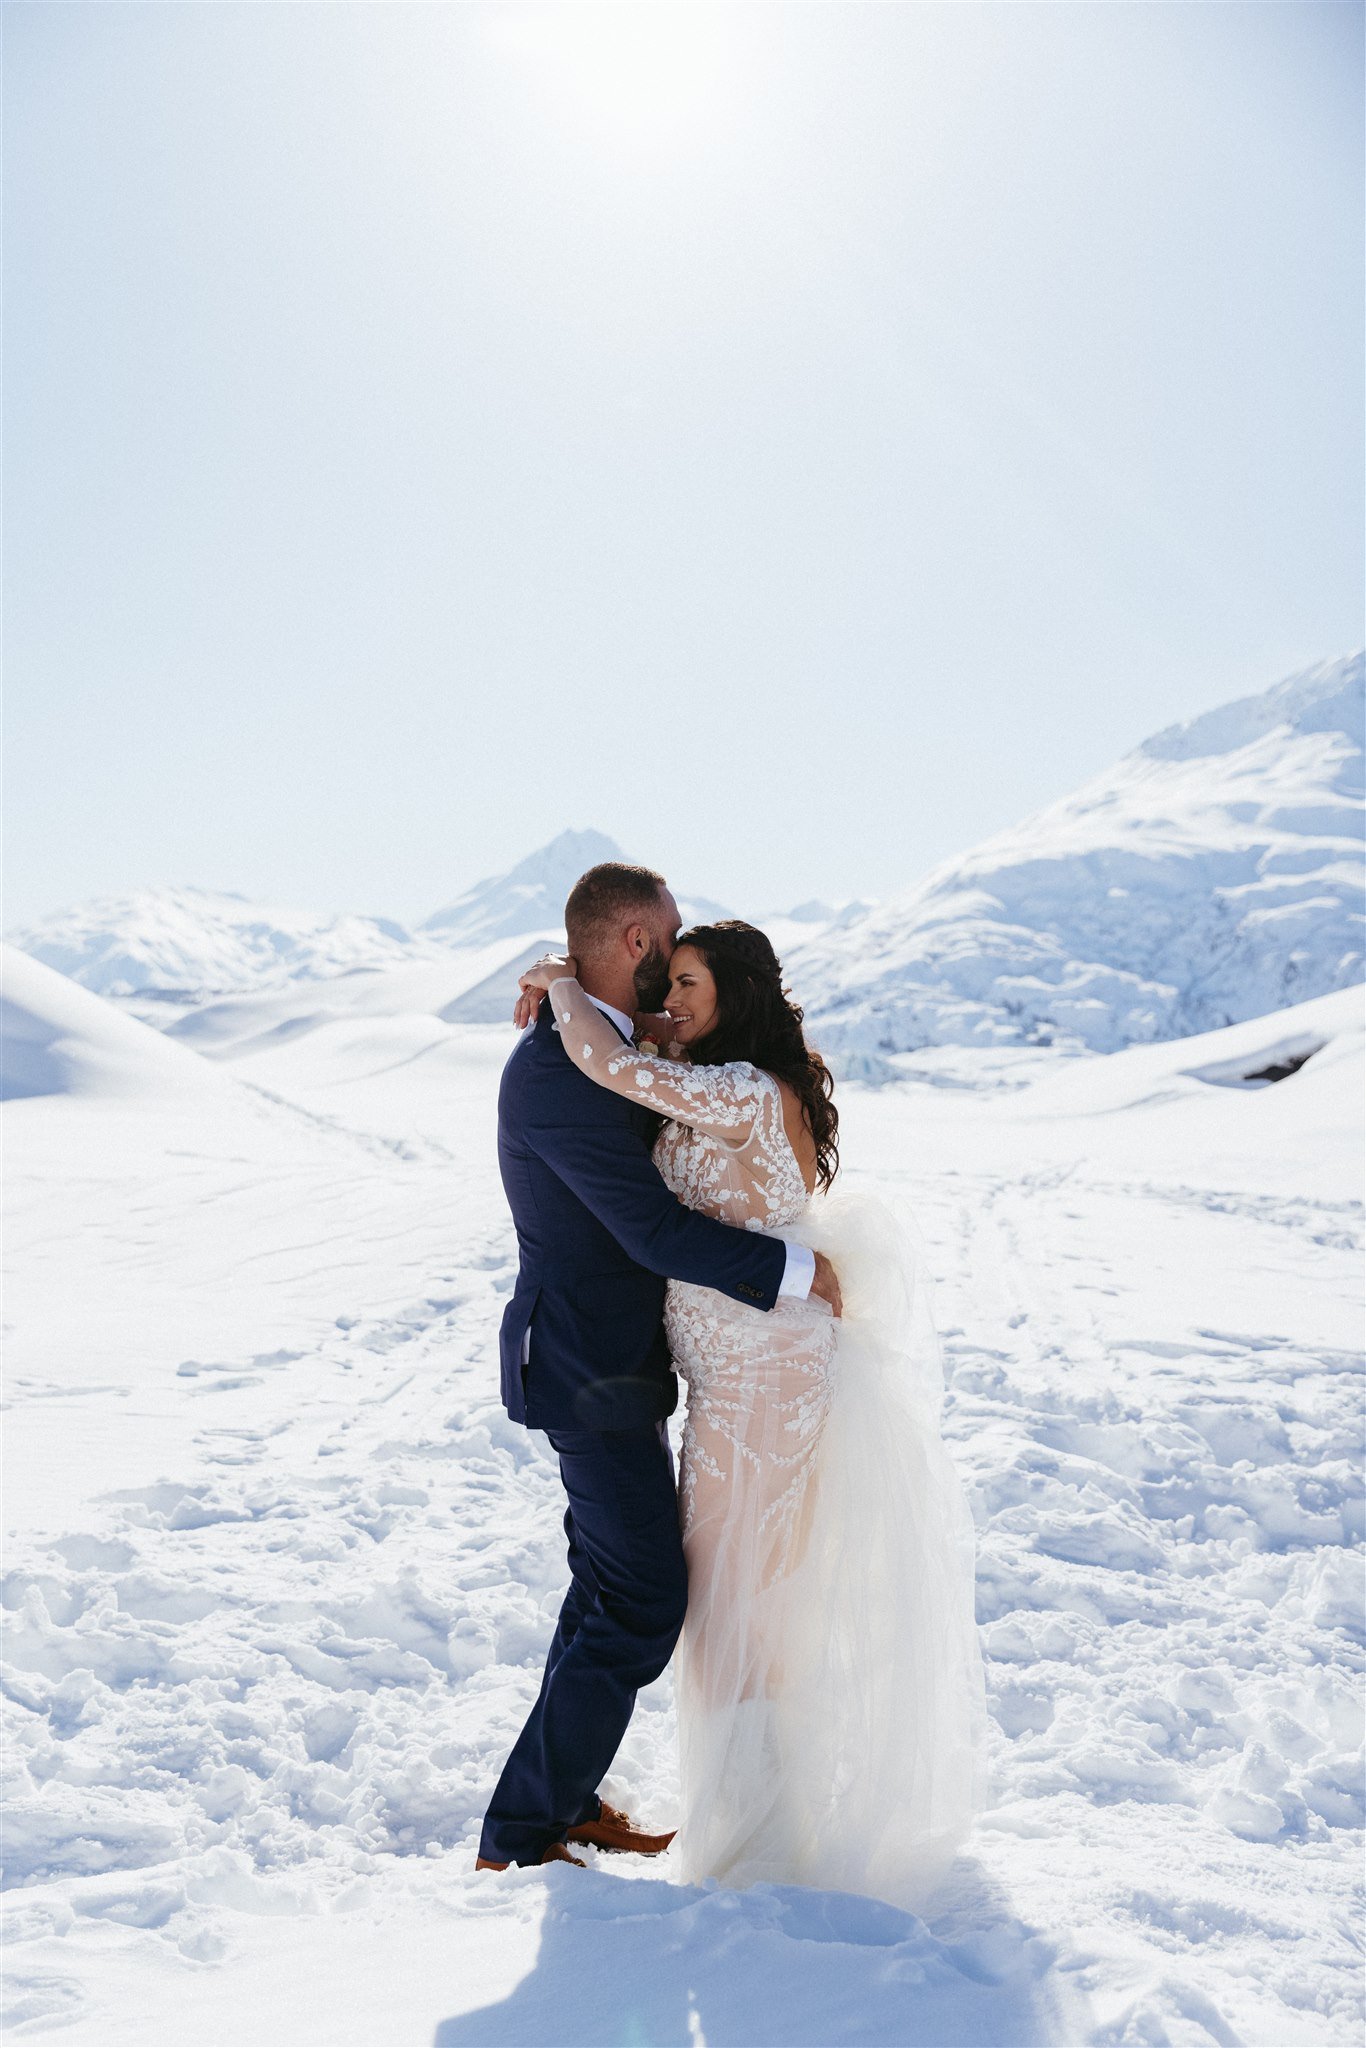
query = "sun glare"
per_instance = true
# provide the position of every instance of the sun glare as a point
(644, 71)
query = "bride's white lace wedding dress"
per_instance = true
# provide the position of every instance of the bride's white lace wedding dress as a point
(831, 1706)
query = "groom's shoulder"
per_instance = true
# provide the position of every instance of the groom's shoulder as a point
(531, 1062)
(541, 1084)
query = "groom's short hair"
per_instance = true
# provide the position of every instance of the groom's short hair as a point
(601, 901)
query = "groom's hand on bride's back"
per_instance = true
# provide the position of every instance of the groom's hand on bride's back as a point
(826, 1284)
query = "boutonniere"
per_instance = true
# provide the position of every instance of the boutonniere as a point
(652, 1048)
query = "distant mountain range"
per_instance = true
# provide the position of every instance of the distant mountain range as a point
(186, 945)
(1212, 875)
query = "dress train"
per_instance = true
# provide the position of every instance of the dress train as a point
(832, 1708)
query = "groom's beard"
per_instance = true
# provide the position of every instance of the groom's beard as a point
(652, 979)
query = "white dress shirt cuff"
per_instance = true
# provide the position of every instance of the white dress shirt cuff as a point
(799, 1271)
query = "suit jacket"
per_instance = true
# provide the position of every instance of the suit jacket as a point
(598, 1233)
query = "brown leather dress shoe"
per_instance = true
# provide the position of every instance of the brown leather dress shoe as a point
(615, 1830)
(556, 1853)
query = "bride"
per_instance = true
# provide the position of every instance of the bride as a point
(831, 1708)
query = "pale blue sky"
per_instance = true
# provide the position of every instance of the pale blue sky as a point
(796, 440)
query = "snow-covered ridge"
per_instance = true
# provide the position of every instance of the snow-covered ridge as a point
(59, 1039)
(1214, 874)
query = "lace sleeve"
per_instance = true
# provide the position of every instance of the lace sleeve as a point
(723, 1101)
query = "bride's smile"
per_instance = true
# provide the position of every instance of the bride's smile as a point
(691, 1001)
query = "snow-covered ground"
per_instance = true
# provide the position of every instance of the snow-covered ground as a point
(280, 1575)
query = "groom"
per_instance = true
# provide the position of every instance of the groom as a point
(584, 1358)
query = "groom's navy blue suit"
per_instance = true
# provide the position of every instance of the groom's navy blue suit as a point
(598, 1233)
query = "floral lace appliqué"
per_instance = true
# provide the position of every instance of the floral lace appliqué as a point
(759, 1383)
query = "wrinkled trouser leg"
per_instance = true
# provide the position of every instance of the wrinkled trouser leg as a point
(616, 1632)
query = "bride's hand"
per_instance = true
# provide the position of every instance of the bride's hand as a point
(550, 967)
(536, 980)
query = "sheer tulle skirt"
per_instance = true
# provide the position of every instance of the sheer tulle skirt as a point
(831, 1704)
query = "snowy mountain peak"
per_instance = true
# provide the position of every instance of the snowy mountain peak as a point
(529, 897)
(1329, 697)
(1212, 875)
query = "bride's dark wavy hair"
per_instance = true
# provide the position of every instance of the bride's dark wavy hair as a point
(757, 1020)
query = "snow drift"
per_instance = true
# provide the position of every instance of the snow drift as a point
(59, 1039)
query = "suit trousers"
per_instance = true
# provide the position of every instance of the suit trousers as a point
(616, 1632)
